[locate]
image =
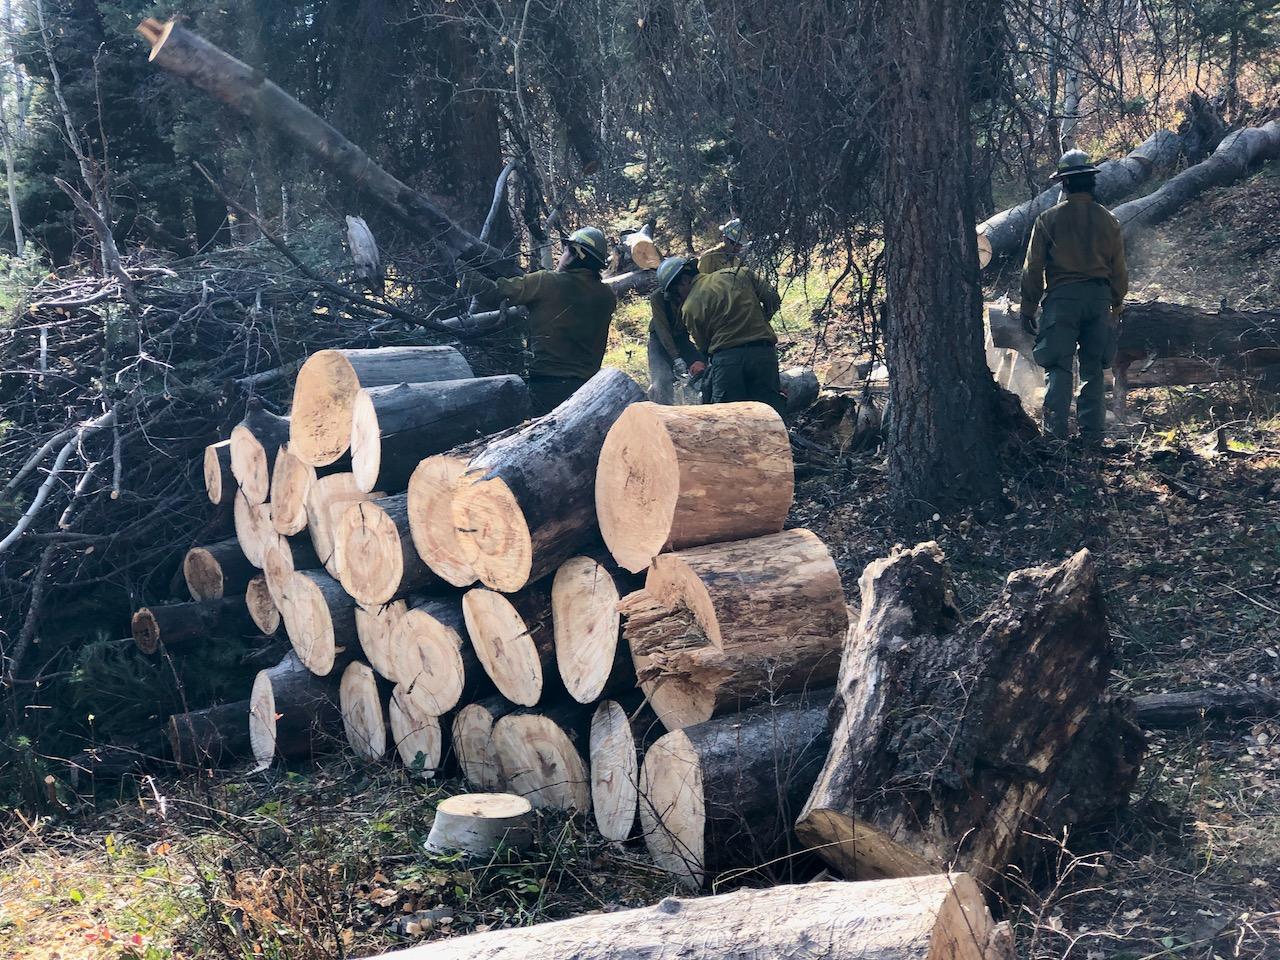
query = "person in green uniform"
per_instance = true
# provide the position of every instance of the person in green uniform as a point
(570, 309)
(728, 252)
(727, 314)
(1076, 254)
(671, 352)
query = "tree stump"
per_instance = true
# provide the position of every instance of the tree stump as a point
(480, 823)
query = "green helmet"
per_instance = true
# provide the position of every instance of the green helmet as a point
(589, 244)
(732, 230)
(670, 269)
(1071, 163)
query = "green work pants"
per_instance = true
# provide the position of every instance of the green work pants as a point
(1075, 315)
(748, 372)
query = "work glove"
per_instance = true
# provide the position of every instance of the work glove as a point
(1029, 324)
(471, 282)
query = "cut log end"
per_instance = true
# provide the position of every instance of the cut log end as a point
(323, 395)
(309, 623)
(584, 607)
(672, 810)
(291, 481)
(203, 574)
(262, 720)
(253, 528)
(146, 631)
(541, 763)
(480, 823)
(219, 482)
(262, 606)
(637, 487)
(492, 533)
(431, 518)
(474, 747)
(363, 715)
(376, 628)
(614, 772)
(250, 465)
(417, 735)
(155, 33)
(503, 645)
(427, 657)
(366, 442)
(372, 565)
(327, 500)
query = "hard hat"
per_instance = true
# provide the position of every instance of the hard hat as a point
(1071, 163)
(590, 243)
(732, 230)
(669, 270)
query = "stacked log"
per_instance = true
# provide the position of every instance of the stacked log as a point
(219, 481)
(255, 444)
(217, 570)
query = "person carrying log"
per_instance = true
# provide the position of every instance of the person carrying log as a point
(671, 352)
(727, 314)
(1076, 254)
(727, 253)
(569, 314)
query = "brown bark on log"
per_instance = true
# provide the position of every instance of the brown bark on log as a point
(435, 661)
(217, 570)
(724, 794)
(417, 736)
(181, 625)
(674, 477)
(104, 763)
(292, 711)
(587, 627)
(1185, 708)
(379, 561)
(722, 626)
(527, 502)
(514, 640)
(472, 735)
(255, 444)
(947, 738)
(213, 737)
(324, 393)
(262, 606)
(363, 697)
(541, 755)
(319, 617)
(219, 481)
(393, 428)
(327, 500)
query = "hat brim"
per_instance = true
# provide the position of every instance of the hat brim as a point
(1071, 172)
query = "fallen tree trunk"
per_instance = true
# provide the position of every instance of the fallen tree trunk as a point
(637, 282)
(718, 627)
(1185, 708)
(938, 918)
(217, 570)
(325, 391)
(620, 734)
(363, 697)
(418, 737)
(1008, 231)
(674, 477)
(947, 738)
(586, 628)
(514, 640)
(319, 617)
(262, 606)
(527, 501)
(1238, 152)
(219, 481)
(393, 428)
(539, 756)
(292, 711)
(724, 794)
(255, 443)
(181, 625)
(435, 662)
(327, 500)
(210, 737)
(431, 489)
(379, 562)
(472, 735)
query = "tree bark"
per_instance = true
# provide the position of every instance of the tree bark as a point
(541, 756)
(587, 627)
(724, 794)
(675, 477)
(292, 711)
(946, 737)
(219, 481)
(514, 639)
(182, 625)
(379, 562)
(255, 443)
(395, 427)
(217, 570)
(527, 502)
(214, 736)
(472, 735)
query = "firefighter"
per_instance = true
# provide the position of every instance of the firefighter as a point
(727, 253)
(671, 352)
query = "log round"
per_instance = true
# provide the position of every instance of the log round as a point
(184, 625)
(513, 638)
(214, 736)
(291, 481)
(615, 771)
(255, 442)
(673, 477)
(724, 794)
(325, 390)
(393, 428)
(364, 715)
(472, 735)
(283, 556)
(292, 711)
(319, 617)
(527, 502)
(433, 658)
(480, 823)
(431, 518)
(417, 736)
(375, 629)
(219, 481)
(378, 559)
(717, 627)
(217, 570)
(254, 530)
(587, 626)
(262, 605)
(538, 755)
(941, 917)
(327, 500)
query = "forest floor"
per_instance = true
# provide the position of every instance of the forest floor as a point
(329, 862)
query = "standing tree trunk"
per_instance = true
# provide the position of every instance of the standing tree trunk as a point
(943, 401)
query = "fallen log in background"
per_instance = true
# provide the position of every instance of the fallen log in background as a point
(262, 606)
(217, 570)
(327, 500)
(1184, 708)
(434, 659)
(435, 537)
(325, 391)
(527, 502)
(378, 560)
(219, 481)
(182, 625)
(724, 794)
(514, 640)
(255, 443)
(292, 711)
(587, 627)
(393, 428)
(951, 752)
(214, 736)
(541, 756)
(723, 626)
(319, 617)
(472, 736)
(416, 735)
(363, 696)
(673, 477)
